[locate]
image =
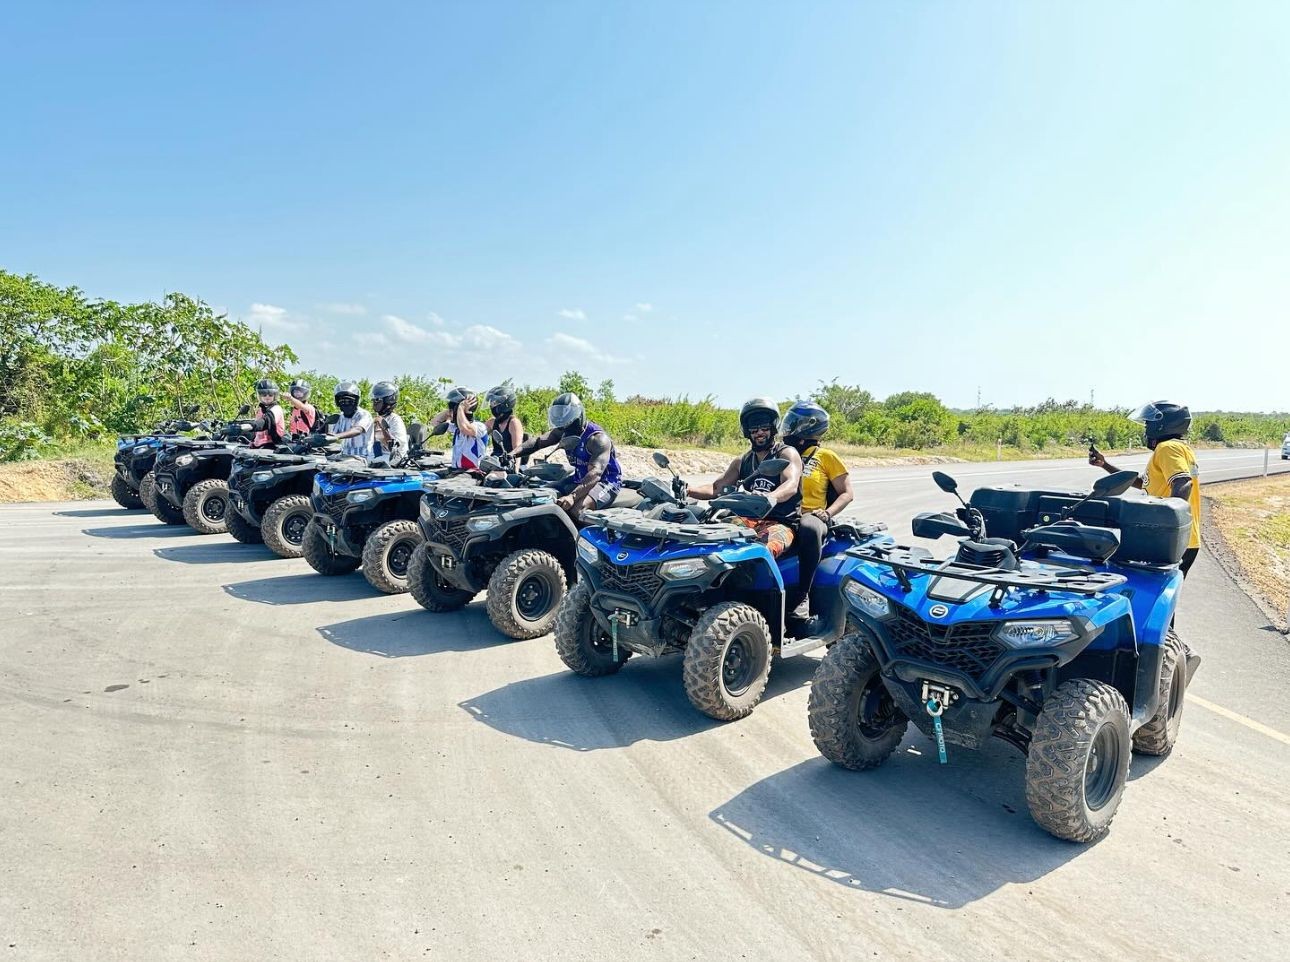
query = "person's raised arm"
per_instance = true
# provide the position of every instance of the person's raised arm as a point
(598, 449)
(706, 492)
(791, 479)
(1098, 460)
(548, 440)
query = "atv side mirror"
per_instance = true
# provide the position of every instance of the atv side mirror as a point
(771, 468)
(662, 461)
(498, 439)
(570, 444)
(244, 410)
(416, 434)
(945, 482)
(331, 419)
(192, 409)
(934, 524)
(1111, 485)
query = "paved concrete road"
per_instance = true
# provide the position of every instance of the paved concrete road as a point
(210, 753)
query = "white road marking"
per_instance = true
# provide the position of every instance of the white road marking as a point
(1240, 719)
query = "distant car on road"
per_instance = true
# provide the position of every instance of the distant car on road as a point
(1285, 448)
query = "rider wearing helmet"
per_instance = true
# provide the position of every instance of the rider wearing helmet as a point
(759, 422)
(354, 427)
(270, 426)
(469, 434)
(826, 489)
(304, 416)
(390, 435)
(597, 476)
(1171, 469)
(504, 420)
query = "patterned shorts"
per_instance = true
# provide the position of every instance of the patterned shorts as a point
(775, 536)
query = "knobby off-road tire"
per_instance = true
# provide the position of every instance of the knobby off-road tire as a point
(241, 529)
(583, 646)
(428, 588)
(854, 721)
(727, 661)
(124, 495)
(1078, 760)
(284, 523)
(318, 553)
(1158, 735)
(161, 509)
(387, 554)
(525, 592)
(206, 506)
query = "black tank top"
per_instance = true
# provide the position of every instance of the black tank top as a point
(787, 512)
(503, 425)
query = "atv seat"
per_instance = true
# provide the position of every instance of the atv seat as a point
(626, 498)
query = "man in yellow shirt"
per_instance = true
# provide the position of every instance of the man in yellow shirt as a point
(1171, 471)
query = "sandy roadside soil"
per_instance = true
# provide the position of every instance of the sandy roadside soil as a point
(1247, 526)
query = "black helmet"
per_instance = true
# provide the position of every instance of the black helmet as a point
(805, 421)
(385, 394)
(501, 400)
(347, 395)
(299, 385)
(266, 386)
(1162, 419)
(567, 413)
(759, 412)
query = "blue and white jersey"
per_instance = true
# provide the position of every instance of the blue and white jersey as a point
(468, 451)
(360, 445)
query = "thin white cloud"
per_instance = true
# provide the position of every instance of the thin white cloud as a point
(644, 307)
(274, 319)
(351, 310)
(573, 314)
(409, 333)
(372, 339)
(630, 317)
(568, 344)
(487, 338)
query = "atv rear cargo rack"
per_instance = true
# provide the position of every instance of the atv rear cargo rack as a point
(905, 560)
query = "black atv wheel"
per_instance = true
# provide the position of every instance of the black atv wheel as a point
(206, 506)
(727, 661)
(428, 587)
(284, 523)
(1078, 760)
(124, 495)
(161, 509)
(319, 554)
(241, 529)
(387, 554)
(525, 592)
(1158, 735)
(584, 646)
(854, 721)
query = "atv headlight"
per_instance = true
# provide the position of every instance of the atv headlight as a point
(588, 552)
(682, 568)
(485, 522)
(142, 449)
(1036, 634)
(360, 497)
(184, 459)
(866, 599)
(262, 476)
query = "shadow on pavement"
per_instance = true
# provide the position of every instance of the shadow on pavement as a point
(214, 552)
(302, 589)
(149, 529)
(940, 835)
(414, 631)
(104, 513)
(643, 702)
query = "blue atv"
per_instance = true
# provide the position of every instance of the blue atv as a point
(1062, 647)
(679, 576)
(135, 456)
(366, 515)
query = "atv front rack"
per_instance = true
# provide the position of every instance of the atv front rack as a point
(904, 561)
(452, 489)
(631, 521)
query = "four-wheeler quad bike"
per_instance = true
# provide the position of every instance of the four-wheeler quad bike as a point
(367, 515)
(190, 477)
(268, 493)
(507, 535)
(1061, 647)
(681, 577)
(135, 456)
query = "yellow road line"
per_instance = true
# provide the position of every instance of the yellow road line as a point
(1240, 719)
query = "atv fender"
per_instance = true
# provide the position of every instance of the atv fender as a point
(518, 517)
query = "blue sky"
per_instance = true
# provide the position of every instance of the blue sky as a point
(1029, 199)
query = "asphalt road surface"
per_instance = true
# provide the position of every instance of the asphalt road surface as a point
(210, 753)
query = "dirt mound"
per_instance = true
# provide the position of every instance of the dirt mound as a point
(71, 479)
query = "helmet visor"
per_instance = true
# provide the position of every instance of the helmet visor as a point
(562, 415)
(1147, 414)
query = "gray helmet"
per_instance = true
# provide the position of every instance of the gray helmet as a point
(385, 394)
(299, 385)
(347, 389)
(266, 386)
(759, 412)
(460, 395)
(567, 413)
(1162, 419)
(501, 400)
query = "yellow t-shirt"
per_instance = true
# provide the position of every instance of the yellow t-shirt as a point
(819, 467)
(1170, 460)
